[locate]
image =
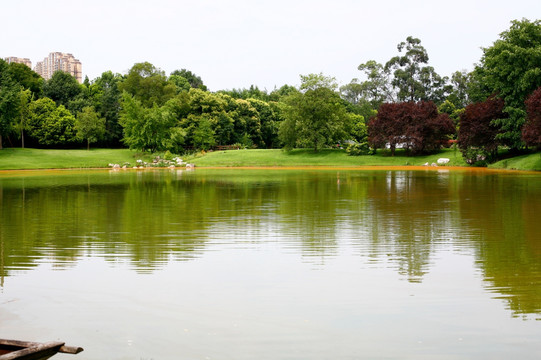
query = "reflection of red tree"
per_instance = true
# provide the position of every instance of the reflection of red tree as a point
(531, 132)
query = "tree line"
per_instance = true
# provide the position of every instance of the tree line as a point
(403, 102)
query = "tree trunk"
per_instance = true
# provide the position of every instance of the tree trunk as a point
(1, 142)
(22, 139)
(88, 144)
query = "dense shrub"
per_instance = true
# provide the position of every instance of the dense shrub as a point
(361, 148)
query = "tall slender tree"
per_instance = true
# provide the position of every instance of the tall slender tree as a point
(9, 102)
(413, 81)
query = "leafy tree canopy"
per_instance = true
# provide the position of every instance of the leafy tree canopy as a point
(315, 117)
(89, 126)
(62, 88)
(27, 78)
(150, 129)
(49, 124)
(106, 98)
(315, 81)
(418, 126)
(531, 132)
(9, 101)
(477, 134)
(194, 80)
(511, 68)
(148, 84)
(414, 81)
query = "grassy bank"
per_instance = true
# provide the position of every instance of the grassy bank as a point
(523, 162)
(327, 157)
(63, 159)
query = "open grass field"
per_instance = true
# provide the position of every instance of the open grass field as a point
(21, 159)
(326, 157)
(15, 158)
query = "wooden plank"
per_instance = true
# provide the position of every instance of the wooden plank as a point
(41, 351)
(18, 343)
(10, 346)
(70, 349)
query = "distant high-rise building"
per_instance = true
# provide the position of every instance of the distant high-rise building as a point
(13, 59)
(60, 61)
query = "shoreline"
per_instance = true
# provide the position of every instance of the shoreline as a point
(301, 167)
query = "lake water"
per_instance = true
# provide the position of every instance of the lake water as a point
(273, 264)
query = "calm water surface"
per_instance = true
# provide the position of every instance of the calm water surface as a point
(273, 264)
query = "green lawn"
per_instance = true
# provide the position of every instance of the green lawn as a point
(327, 157)
(522, 162)
(95, 158)
(15, 158)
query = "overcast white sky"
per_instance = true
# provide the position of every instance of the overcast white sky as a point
(236, 43)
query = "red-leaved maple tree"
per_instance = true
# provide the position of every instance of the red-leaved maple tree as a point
(416, 126)
(477, 134)
(531, 131)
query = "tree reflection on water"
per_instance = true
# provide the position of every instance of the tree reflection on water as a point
(398, 219)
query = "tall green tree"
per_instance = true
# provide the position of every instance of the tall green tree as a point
(203, 135)
(315, 117)
(461, 89)
(511, 69)
(25, 98)
(148, 84)
(49, 124)
(269, 120)
(106, 98)
(62, 88)
(316, 81)
(27, 78)
(413, 80)
(247, 124)
(89, 126)
(377, 87)
(150, 129)
(9, 102)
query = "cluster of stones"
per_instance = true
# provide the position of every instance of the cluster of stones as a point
(441, 161)
(156, 162)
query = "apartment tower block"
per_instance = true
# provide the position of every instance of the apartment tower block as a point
(60, 61)
(13, 59)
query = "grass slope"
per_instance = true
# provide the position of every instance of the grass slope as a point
(523, 162)
(328, 157)
(14, 158)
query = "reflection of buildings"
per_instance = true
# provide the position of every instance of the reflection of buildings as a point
(13, 59)
(60, 61)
